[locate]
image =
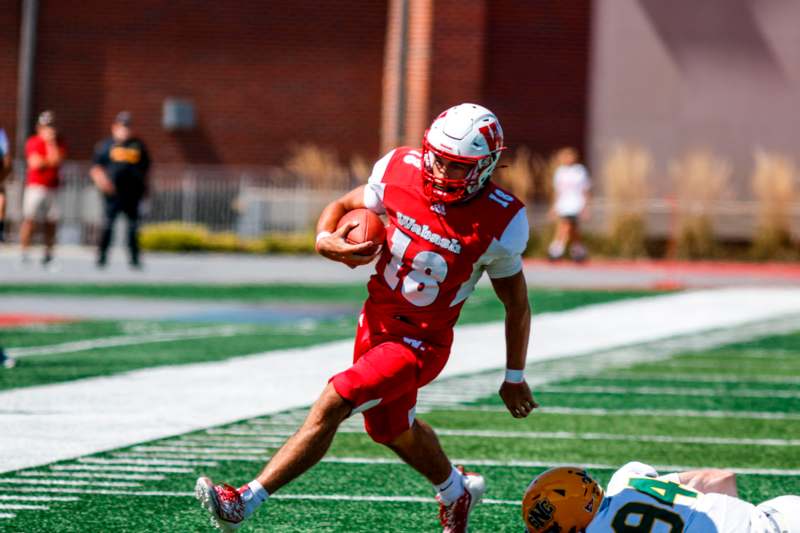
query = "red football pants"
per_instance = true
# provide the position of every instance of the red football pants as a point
(388, 369)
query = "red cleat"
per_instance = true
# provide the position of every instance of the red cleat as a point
(223, 502)
(455, 517)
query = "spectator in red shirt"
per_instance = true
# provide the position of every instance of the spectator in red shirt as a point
(44, 153)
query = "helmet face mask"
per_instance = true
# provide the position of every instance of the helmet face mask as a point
(467, 134)
(561, 500)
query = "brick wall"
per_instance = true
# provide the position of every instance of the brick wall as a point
(9, 52)
(264, 75)
(527, 61)
(458, 54)
(536, 71)
(261, 75)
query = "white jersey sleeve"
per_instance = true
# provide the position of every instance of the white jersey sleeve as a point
(503, 258)
(373, 191)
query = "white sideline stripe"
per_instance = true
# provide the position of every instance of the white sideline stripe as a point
(143, 462)
(152, 403)
(672, 391)
(7, 515)
(26, 498)
(597, 411)
(569, 435)
(121, 468)
(130, 340)
(96, 475)
(66, 482)
(22, 507)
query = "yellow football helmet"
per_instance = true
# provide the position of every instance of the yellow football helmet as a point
(561, 500)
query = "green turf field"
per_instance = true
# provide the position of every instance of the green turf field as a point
(119, 346)
(737, 406)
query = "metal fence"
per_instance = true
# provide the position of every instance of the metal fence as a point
(246, 200)
(257, 200)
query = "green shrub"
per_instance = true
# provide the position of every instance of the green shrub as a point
(288, 243)
(174, 237)
(179, 237)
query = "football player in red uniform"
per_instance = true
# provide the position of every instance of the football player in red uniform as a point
(448, 223)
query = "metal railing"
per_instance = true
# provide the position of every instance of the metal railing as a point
(246, 200)
(256, 200)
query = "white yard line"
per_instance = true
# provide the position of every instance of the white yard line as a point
(117, 476)
(120, 468)
(139, 463)
(92, 415)
(701, 378)
(208, 451)
(27, 498)
(245, 441)
(105, 492)
(672, 391)
(511, 463)
(22, 507)
(191, 456)
(65, 482)
(379, 499)
(316, 497)
(596, 411)
(569, 435)
(131, 340)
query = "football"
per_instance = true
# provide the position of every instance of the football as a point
(370, 228)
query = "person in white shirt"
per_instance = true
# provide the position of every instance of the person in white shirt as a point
(571, 187)
(638, 499)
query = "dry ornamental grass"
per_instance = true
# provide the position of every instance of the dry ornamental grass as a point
(700, 180)
(625, 175)
(317, 167)
(773, 185)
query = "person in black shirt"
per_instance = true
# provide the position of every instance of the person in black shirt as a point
(120, 170)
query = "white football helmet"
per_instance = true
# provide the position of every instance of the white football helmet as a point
(466, 133)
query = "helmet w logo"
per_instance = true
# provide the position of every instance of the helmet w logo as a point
(492, 135)
(541, 513)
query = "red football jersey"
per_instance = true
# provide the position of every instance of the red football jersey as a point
(435, 253)
(46, 176)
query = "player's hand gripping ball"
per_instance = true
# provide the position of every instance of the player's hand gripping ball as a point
(370, 228)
